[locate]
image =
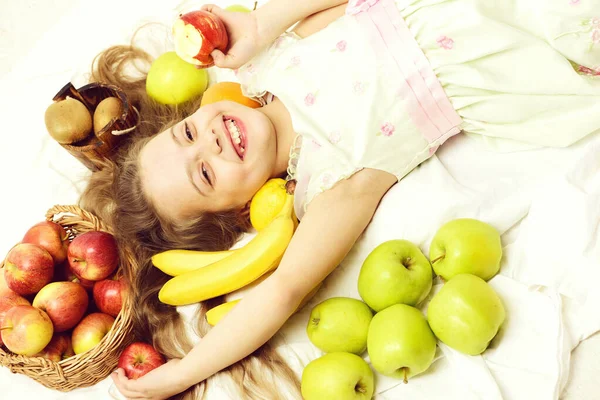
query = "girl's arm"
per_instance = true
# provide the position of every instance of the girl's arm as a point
(276, 16)
(251, 32)
(331, 226)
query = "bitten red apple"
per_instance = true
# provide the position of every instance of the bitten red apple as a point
(50, 236)
(58, 349)
(109, 295)
(8, 301)
(26, 330)
(196, 34)
(28, 268)
(93, 255)
(138, 359)
(64, 302)
(90, 331)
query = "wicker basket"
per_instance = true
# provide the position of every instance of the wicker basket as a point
(87, 368)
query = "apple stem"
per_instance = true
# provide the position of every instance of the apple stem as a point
(405, 375)
(6, 327)
(76, 260)
(255, 5)
(438, 259)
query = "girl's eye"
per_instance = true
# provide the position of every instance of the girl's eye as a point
(205, 173)
(188, 133)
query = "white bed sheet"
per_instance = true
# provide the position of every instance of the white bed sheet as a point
(545, 203)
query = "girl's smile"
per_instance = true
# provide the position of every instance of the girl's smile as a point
(216, 159)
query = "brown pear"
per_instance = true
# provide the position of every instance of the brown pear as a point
(106, 110)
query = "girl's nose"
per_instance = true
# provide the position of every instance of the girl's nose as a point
(214, 143)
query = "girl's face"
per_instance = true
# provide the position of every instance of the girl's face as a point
(214, 160)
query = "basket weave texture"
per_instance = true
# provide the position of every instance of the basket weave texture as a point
(91, 367)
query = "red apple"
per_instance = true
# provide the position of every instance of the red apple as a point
(26, 330)
(58, 349)
(64, 302)
(62, 272)
(28, 268)
(93, 255)
(138, 359)
(50, 236)
(90, 331)
(4, 289)
(8, 301)
(109, 295)
(196, 34)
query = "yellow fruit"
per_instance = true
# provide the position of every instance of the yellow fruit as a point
(261, 255)
(267, 203)
(177, 262)
(215, 314)
(231, 91)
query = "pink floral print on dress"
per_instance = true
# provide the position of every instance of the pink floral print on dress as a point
(309, 99)
(588, 25)
(387, 129)
(445, 42)
(340, 46)
(335, 137)
(356, 6)
(358, 88)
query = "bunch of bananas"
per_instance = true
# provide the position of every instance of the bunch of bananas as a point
(199, 275)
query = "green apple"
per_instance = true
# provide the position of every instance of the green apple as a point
(340, 324)
(466, 246)
(173, 81)
(238, 8)
(395, 272)
(466, 314)
(400, 342)
(339, 376)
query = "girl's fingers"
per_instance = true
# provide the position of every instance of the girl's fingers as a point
(212, 8)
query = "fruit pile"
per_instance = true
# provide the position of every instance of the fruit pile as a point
(69, 121)
(202, 275)
(465, 314)
(59, 297)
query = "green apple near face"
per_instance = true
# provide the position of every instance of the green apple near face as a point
(466, 314)
(171, 80)
(395, 272)
(339, 376)
(400, 342)
(466, 246)
(340, 324)
(237, 8)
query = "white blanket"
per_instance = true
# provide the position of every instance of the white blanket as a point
(544, 202)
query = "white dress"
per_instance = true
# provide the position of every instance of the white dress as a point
(386, 84)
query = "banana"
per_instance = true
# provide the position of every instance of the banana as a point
(177, 262)
(261, 255)
(215, 314)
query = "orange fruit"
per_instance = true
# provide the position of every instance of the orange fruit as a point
(231, 91)
(267, 203)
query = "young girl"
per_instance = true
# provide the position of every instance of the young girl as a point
(357, 96)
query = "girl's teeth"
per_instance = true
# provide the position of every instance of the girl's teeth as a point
(235, 133)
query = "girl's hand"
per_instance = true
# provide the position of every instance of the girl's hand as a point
(244, 40)
(159, 384)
